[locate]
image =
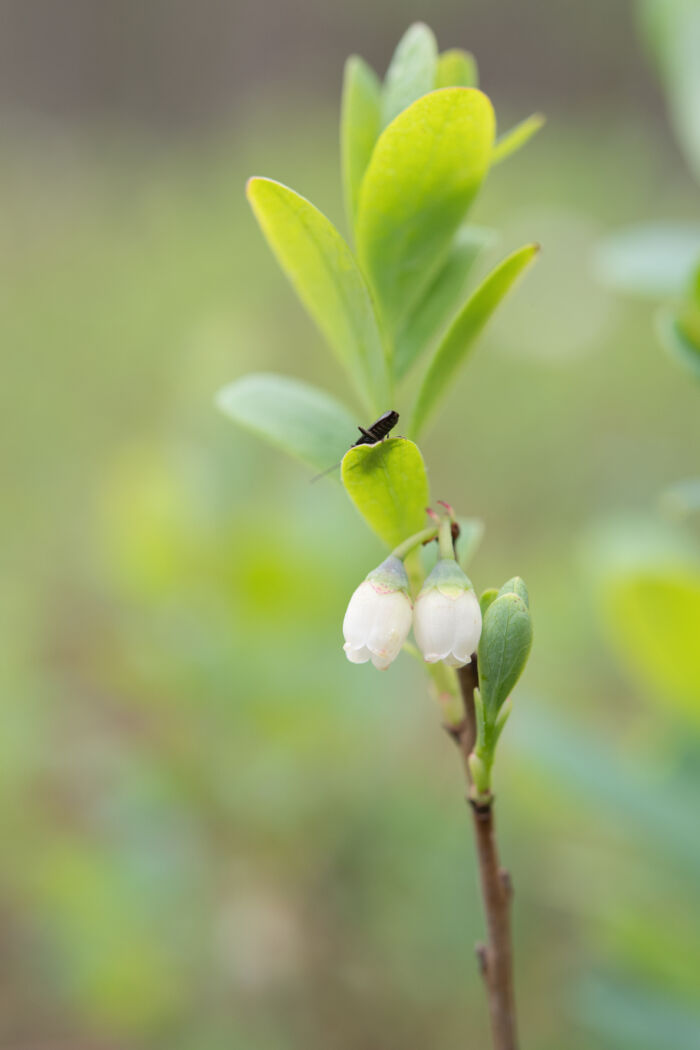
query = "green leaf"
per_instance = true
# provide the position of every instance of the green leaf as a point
(464, 330)
(504, 647)
(411, 72)
(677, 341)
(456, 68)
(388, 484)
(325, 275)
(424, 173)
(654, 261)
(359, 127)
(441, 300)
(516, 586)
(673, 31)
(652, 619)
(645, 577)
(300, 419)
(517, 137)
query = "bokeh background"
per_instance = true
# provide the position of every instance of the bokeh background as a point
(218, 834)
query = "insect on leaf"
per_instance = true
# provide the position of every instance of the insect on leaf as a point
(388, 484)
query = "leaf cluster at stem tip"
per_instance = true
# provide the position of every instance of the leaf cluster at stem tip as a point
(415, 149)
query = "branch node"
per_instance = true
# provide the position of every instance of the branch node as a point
(506, 882)
(482, 957)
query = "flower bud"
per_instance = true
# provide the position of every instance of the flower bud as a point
(378, 617)
(447, 620)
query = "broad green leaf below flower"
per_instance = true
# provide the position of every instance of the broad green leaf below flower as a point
(463, 331)
(411, 72)
(456, 68)
(439, 304)
(424, 172)
(359, 127)
(388, 484)
(304, 421)
(328, 281)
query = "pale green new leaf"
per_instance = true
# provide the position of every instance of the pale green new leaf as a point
(359, 127)
(437, 307)
(411, 72)
(328, 281)
(424, 172)
(504, 646)
(654, 259)
(517, 137)
(461, 334)
(456, 68)
(388, 484)
(305, 422)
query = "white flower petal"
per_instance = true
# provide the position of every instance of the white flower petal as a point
(468, 626)
(357, 656)
(434, 624)
(391, 626)
(360, 615)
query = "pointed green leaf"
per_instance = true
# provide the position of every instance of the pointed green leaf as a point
(326, 277)
(504, 646)
(516, 585)
(456, 68)
(359, 127)
(411, 72)
(305, 422)
(438, 305)
(424, 173)
(388, 484)
(462, 333)
(517, 137)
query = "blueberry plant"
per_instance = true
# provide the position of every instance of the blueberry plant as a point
(416, 149)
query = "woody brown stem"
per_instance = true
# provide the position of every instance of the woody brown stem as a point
(496, 956)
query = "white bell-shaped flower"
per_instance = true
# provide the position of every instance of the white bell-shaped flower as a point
(379, 615)
(447, 619)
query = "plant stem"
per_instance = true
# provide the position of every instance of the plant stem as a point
(496, 956)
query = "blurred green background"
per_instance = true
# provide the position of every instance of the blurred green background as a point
(218, 834)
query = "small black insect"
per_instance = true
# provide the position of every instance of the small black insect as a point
(369, 436)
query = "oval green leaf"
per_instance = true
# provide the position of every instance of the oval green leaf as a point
(388, 484)
(305, 422)
(464, 330)
(359, 127)
(504, 646)
(328, 281)
(424, 173)
(456, 68)
(411, 72)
